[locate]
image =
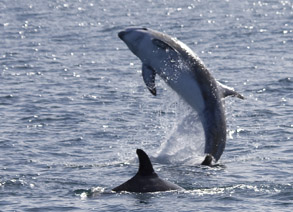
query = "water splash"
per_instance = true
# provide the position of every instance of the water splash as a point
(184, 138)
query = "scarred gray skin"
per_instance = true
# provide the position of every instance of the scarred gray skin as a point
(146, 180)
(186, 74)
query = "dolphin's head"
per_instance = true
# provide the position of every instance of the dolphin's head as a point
(147, 44)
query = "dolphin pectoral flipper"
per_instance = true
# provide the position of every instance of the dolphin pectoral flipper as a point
(227, 91)
(149, 76)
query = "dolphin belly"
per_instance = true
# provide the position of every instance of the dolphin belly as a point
(209, 109)
(187, 88)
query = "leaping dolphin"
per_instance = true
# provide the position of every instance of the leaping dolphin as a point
(186, 74)
(146, 180)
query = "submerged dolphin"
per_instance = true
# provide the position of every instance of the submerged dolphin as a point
(146, 180)
(186, 74)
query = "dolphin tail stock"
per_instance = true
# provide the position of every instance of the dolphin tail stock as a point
(227, 91)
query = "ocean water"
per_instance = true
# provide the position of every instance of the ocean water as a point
(74, 108)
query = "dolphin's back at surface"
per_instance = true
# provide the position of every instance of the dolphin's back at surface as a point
(146, 180)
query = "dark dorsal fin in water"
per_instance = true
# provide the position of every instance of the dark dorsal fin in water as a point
(146, 180)
(145, 165)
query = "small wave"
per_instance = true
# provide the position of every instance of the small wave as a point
(282, 86)
(8, 99)
(91, 193)
(239, 189)
(286, 81)
(15, 183)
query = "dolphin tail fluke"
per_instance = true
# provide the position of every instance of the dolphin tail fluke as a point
(227, 91)
(145, 165)
(207, 161)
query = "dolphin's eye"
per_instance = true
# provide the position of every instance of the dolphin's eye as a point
(161, 44)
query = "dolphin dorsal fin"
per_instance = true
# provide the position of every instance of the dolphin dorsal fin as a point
(227, 91)
(145, 165)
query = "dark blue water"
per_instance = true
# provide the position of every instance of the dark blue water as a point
(73, 106)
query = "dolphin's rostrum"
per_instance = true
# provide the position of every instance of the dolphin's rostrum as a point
(186, 74)
(146, 179)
